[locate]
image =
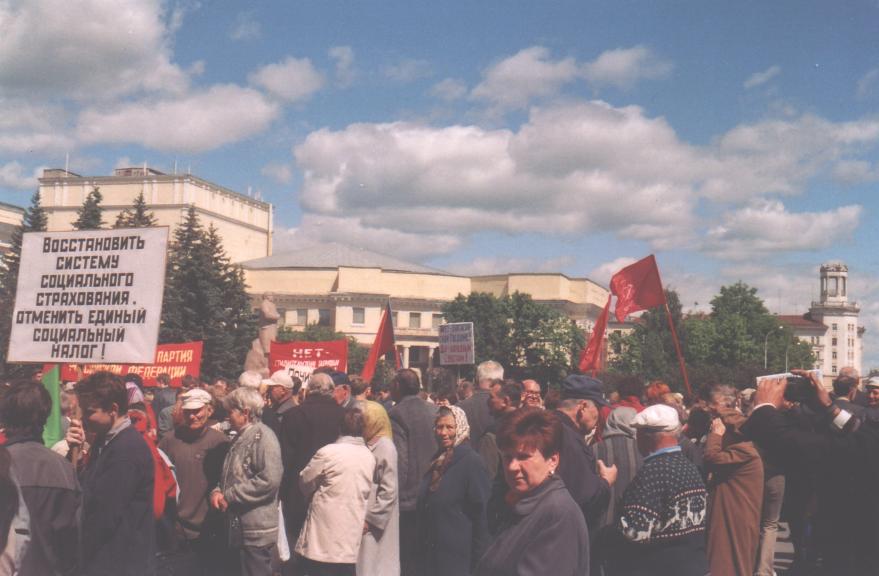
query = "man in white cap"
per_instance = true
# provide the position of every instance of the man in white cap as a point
(661, 529)
(872, 387)
(281, 396)
(197, 452)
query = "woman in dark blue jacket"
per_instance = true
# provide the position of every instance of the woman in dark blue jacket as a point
(452, 500)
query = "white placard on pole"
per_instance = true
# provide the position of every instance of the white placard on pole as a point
(89, 296)
(456, 344)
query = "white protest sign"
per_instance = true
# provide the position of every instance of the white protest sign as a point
(456, 343)
(89, 296)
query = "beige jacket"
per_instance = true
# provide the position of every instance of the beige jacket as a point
(338, 479)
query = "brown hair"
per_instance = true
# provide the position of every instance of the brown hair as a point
(102, 390)
(531, 428)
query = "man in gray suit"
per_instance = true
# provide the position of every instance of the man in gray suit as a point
(412, 422)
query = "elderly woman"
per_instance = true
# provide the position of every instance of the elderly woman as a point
(546, 532)
(380, 548)
(248, 490)
(338, 482)
(452, 501)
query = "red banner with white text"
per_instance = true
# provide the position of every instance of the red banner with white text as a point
(301, 358)
(175, 360)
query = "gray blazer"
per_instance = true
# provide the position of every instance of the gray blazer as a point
(412, 421)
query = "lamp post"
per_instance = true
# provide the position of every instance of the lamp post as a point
(766, 346)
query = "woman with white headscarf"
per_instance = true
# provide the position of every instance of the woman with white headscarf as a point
(452, 500)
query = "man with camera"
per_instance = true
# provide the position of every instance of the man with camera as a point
(844, 450)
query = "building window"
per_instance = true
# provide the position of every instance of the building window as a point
(834, 355)
(323, 317)
(359, 316)
(436, 321)
(833, 341)
(301, 316)
(414, 319)
(394, 319)
(833, 369)
(833, 326)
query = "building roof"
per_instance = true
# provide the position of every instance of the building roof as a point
(11, 207)
(333, 255)
(801, 322)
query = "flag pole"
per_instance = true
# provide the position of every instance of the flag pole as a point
(674, 337)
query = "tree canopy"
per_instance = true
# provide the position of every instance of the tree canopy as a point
(34, 220)
(89, 215)
(205, 299)
(138, 216)
(530, 339)
(726, 345)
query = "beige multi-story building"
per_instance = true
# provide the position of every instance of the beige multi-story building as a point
(580, 299)
(244, 223)
(347, 290)
(831, 325)
(10, 219)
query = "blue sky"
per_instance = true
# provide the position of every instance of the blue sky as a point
(734, 140)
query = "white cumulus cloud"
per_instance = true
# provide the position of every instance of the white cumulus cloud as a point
(624, 67)
(531, 73)
(89, 49)
(767, 227)
(199, 121)
(293, 80)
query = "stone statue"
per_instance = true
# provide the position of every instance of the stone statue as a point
(256, 360)
(268, 323)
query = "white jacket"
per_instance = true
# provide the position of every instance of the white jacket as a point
(338, 479)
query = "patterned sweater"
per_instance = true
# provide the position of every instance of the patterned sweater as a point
(666, 500)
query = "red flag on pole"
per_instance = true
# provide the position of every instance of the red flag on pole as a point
(637, 287)
(590, 359)
(384, 343)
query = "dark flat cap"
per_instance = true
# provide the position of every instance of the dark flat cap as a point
(583, 387)
(339, 378)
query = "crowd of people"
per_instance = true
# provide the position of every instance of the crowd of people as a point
(493, 477)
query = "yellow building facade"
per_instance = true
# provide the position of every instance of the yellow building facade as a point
(10, 219)
(244, 223)
(347, 288)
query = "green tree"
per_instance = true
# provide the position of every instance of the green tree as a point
(34, 220)
(205, 299)
(649, 349)
(89, 215)
(138, 216)
(726, 345)
(357, 354)
(530, 339)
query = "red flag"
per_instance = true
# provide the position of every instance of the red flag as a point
(384, 343)
(637, 287)
(590, 359)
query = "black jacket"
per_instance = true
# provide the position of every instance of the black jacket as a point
(851, 463)
(452, 525)
(51, 492)
(118, 529)
(305, 429)
(578, 469)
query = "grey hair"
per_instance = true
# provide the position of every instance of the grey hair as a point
(723, 394)
(321, 384)
(242, 399)
(489, 370)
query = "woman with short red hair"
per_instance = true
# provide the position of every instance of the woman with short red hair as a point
(545, 532)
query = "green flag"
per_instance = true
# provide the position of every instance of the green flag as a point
(52, 382)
